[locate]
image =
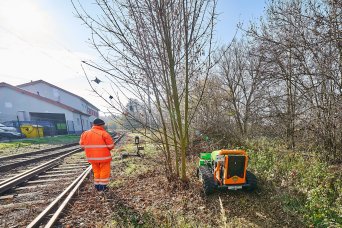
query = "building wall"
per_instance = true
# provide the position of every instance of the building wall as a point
(59, 95)
(81, 122)
(14, 103)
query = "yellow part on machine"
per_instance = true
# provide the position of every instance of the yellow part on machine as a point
(32, 131)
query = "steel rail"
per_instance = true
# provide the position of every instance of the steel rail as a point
(4, 158)
(75, 185)
(36, 222)
(22, 177)
(28, 171)
(120, 137)
(19, 163)
(67, 200)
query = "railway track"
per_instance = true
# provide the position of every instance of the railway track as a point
(30, 192)
(19, 160)
(22, 177)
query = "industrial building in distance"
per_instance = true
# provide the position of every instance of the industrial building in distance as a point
(39, 102)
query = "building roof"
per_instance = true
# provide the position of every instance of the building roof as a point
(3, 84)
(42, 81)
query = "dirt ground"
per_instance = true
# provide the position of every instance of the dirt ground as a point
(140, 196)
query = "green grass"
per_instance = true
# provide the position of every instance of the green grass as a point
(116, 183)
(135, 167)
(5, 145)
(131, 168)
(60, 139)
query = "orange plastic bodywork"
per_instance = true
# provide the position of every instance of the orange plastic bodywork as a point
(217, 174)
(235, 180)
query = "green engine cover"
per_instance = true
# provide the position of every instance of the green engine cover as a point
(204, 159)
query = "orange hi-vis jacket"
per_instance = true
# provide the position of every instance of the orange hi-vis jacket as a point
(97, 144)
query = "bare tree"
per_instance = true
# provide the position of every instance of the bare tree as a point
(283, 79)
(302, 47)
(243, 81)
(156, 50)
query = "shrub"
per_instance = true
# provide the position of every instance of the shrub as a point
(300, 174)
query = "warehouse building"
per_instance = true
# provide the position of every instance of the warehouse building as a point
(42, 102)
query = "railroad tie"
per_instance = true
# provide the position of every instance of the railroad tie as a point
(49, 180)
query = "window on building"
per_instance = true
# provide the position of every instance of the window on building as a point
(78, 121)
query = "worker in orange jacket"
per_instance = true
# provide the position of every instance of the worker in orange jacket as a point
(97, 144)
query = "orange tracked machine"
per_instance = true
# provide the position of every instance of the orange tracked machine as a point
(225, 169)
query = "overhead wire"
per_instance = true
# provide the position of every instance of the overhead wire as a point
(36, 48)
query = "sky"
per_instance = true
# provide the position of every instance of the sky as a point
(42, 39)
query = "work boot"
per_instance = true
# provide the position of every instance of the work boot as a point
(101, 187)
(97, 187)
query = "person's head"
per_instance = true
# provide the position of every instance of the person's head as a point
(98, 122)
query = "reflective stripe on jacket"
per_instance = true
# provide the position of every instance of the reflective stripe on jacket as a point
(97, 144)
(103, 181)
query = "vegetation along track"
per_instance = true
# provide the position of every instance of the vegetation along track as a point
(37, 187)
